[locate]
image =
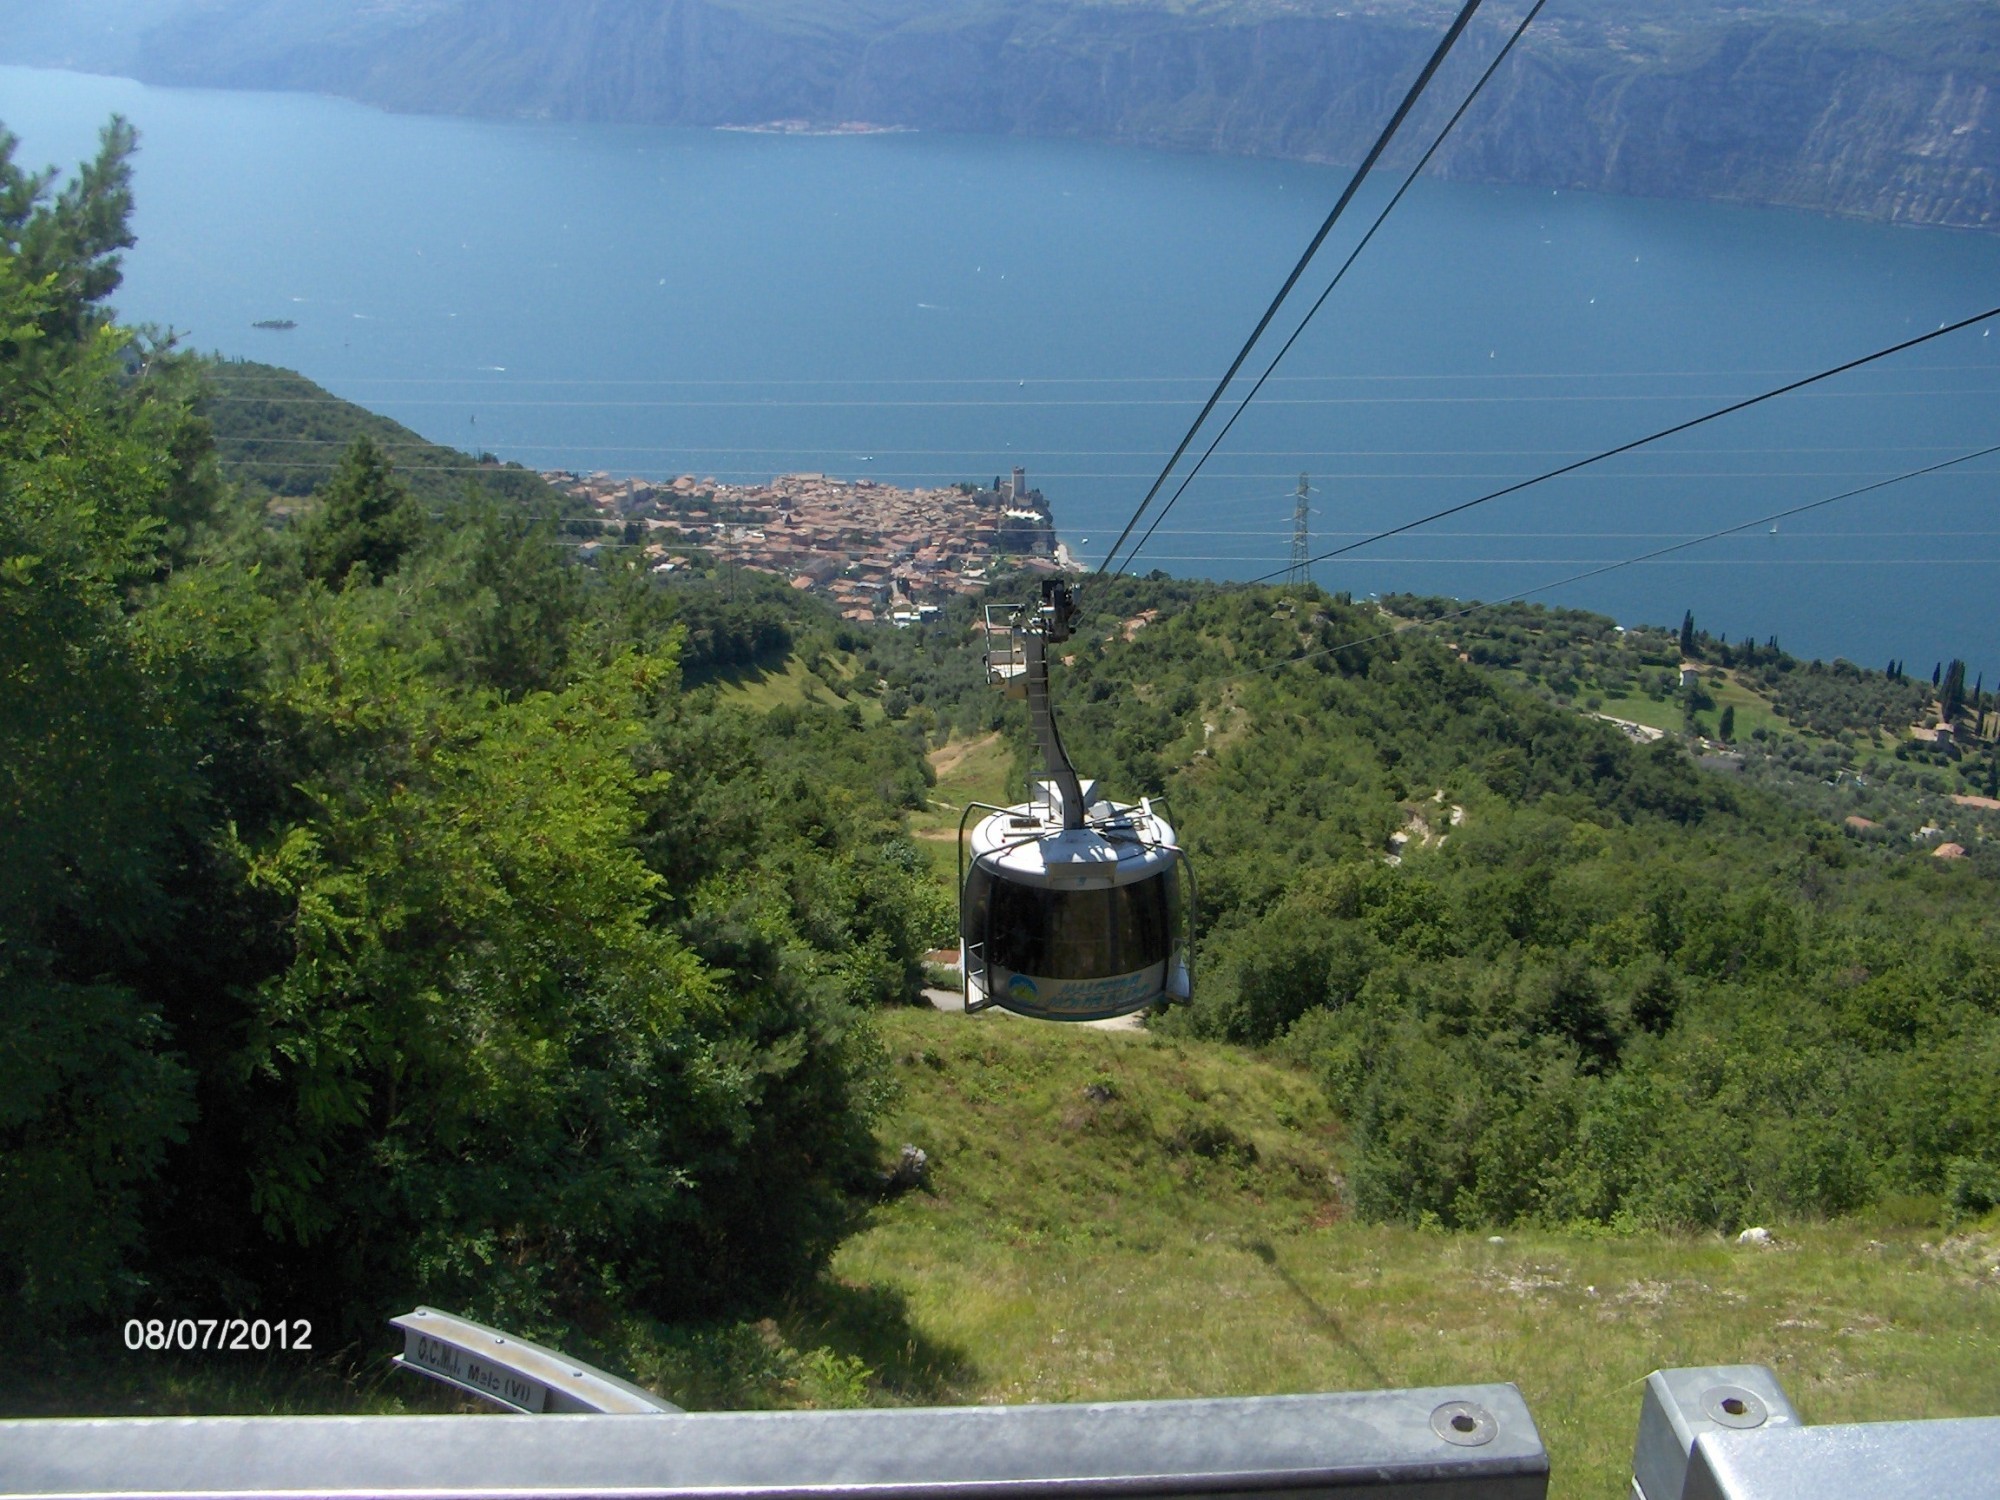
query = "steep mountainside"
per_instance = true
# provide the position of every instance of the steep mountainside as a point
(1868, 109)
(279, 435)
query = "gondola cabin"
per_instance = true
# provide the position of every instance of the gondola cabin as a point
(1073, 924)
(1072, 907)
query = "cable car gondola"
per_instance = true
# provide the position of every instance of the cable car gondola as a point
(1073, 907)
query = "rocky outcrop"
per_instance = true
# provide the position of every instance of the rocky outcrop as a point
(1876, 111)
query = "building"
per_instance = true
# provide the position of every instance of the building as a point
(853, 542)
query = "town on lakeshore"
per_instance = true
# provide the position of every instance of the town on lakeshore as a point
(875, 551)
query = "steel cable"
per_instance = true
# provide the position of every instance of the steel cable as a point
(1352, 256)
(1416, 90)
(1583, 463)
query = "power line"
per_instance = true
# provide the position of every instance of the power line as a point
(1416, 90)
(1301, 566)
(1689, 562)
(1421, 558)
(760, 382)
(927, 478)
(987, 456)
(1582, 536)
(1827, 374)
(1597, 398)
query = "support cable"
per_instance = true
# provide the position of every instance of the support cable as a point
(1416, 90)
(1352, 256)
(1665, 432)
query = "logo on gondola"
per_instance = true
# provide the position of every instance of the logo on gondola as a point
(1021, 987)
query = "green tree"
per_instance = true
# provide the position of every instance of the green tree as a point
(492, 1068)
(365, 520)
(99, 704)
(364, 873)
(1687, 633)
(68, 245)
(499, 600)
(1951, 695)
(1725, 730)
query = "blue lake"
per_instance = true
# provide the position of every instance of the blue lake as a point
(923, 309)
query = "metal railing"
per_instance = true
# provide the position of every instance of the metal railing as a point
(1714, 1433)
(1466, 1443)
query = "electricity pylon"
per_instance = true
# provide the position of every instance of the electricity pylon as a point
(1301, 538)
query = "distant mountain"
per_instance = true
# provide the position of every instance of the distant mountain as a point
(1862, 108)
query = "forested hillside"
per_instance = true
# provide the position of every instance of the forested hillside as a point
(379, 916)
(1865, 108)
(1529, 958)
(278, 434)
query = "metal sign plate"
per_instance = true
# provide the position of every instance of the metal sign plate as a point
(514, 1373)
(473, 1373)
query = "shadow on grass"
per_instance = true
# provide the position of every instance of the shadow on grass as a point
(831, 1344)
(1317, 1315)
(101, 1378)
(873, 1323)
(738, 675)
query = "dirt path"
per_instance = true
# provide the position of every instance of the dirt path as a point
(952, 1003)
(948, 758)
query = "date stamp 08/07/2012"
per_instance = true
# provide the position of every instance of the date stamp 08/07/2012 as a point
(257, 1335)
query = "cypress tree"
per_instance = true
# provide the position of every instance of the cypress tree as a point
(1951, 695)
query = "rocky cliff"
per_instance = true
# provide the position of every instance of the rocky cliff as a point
(1872, 109)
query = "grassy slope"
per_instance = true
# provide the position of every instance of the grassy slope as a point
(1753, 709)
(1867, 749)
(978, 769)
(1114, 1216)
(1176, 1234)
(796, 685)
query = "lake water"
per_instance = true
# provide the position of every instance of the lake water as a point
(922, 309)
